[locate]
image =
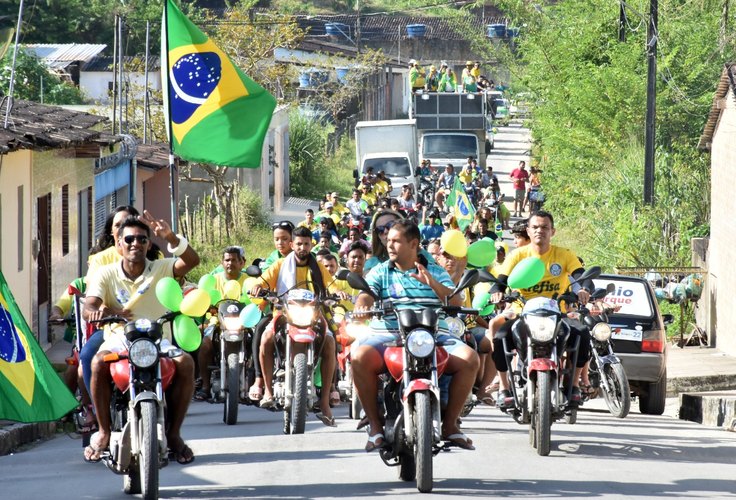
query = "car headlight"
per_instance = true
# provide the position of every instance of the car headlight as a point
(143, 353)
(601, 332)
(541, 328)
(455, 326)
(231, 323)
(301, 315)
(420, 343)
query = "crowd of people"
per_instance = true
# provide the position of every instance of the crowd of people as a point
(442, 78)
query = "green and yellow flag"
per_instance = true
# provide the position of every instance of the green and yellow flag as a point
(30, 389)
(216, 114)
(462, 209)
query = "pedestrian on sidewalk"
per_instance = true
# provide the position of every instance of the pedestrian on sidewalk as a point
(519, 176)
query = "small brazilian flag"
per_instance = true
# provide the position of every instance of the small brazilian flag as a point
(463, 210)
(30, 389)
(216, 113)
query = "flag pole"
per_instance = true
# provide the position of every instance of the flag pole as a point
(172, 164)
(9, 103)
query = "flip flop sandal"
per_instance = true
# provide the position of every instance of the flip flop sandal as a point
(328, 421)
(460, 440)
(373, 443)
(200, 395)
(94, 449)
(183, 456)
(267, 402)
(255, 393)
(335, 398)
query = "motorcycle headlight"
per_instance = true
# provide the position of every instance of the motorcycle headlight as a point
(601, 332)
(455, 326)
(301, 315)
(420, 343)
(541, 328)
(231, 323)
(143, 353)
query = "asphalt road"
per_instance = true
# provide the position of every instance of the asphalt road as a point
(640, 457)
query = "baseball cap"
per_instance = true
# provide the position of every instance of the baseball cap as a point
(469, 63)
(412, 61)
(329, 204)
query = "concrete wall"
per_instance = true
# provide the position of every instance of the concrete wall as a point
(18, 269)
(95, 84)
(721, 290)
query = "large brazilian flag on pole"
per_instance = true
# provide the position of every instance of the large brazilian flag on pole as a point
(30, 389)
(216, 114)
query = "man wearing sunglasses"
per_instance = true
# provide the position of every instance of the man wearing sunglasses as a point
(127, 288)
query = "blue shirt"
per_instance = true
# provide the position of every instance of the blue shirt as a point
(405, 292)
(431, 231)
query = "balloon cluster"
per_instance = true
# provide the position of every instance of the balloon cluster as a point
(195, 304)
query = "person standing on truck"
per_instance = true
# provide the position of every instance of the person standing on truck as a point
(448, 83)
(433, 80)
(519, 176)
(467, 70)
(416, 76)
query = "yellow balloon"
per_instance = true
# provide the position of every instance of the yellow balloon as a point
(453, 242)
(232, 290)
(195, 303)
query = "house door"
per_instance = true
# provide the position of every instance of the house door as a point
(43, 266)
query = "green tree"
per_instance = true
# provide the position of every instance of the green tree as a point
(33, 81)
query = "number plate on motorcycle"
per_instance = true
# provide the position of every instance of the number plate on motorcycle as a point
(625, 334)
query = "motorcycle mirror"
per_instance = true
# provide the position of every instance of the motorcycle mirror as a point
(590, 273)
(598, 293)
(470, 277)
(486, 277)
(610, 288)
(356, 281)
(257, 262)
(342, 274)
(253, 271)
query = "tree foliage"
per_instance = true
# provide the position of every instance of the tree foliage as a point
(33, 81)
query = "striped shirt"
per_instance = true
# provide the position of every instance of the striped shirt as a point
(404, 292)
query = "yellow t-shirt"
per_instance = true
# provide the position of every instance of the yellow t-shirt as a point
(466, 175)
(370, 198)
(270, 276)
(221, 279)
(312, 227)
(559, 263)
(115, 289)
(380, 188)
(103, 258)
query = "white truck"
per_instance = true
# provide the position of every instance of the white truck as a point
(389, 146)
(452, 127)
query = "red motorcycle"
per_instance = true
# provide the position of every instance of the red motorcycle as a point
(411, 393)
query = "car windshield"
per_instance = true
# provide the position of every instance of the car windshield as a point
(392, 167)
(632, 296)
(450, 146)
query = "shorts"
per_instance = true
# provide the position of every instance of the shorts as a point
(519, 195)
(378, 342)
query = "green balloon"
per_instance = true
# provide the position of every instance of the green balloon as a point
(363, 205)
(488, 310)
(168, 292)
(526, 273)
(481, 253)
(215, 296)
(187, 333)
(244, 298)
(207, 282)
(250, 316)
(481, 300)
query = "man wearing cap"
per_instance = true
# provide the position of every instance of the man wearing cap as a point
(431, 227)
(329, 211)
(467, 70)
(416, 76)
(433, 80)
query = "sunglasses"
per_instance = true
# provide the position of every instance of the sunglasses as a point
(284, 224)
(382, 229)
(140, 238)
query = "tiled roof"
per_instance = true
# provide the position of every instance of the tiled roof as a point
(39, 126)
(155, 156)
(61, 55)
(131, 63)
(727, 81)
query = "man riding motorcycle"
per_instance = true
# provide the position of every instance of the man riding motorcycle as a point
(233, 262)
(299, 266)
(127, 289)
(560, 265)
(410, 282)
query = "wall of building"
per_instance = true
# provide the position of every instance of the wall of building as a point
(96, 84)
(52, 170)
(16, 262)
(721, 290)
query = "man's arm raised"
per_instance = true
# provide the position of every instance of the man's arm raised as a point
(188, 258)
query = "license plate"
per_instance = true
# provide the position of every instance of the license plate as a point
(623, 334)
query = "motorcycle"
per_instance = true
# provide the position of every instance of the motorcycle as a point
(605, 372)
(411, 394)
(296, 340)
(141, 374)
(234, 354)
(541, 382)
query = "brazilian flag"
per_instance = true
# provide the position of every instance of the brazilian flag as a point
(216, 114)
(30, 389)
(462, 209)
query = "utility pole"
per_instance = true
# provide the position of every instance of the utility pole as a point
(115, 77)
(357, 26)
(145, 90)
(621, 21)
(652, 34)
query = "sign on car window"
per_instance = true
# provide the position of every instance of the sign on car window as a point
(632, 296)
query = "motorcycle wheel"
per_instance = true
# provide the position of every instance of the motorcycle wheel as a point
(542, 418)
(299, 404)
(355, 406)
(423, 441)
(407, 468)
(148, 458)
(232, 397)
(618, 399)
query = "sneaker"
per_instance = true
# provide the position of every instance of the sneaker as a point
(505, 400)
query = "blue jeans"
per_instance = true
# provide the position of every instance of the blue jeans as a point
(87, 353)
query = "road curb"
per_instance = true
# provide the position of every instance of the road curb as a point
(16, 435)
(715, 409)
(704, 383)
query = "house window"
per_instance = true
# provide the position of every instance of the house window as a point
(21, 225)
(65, 219)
